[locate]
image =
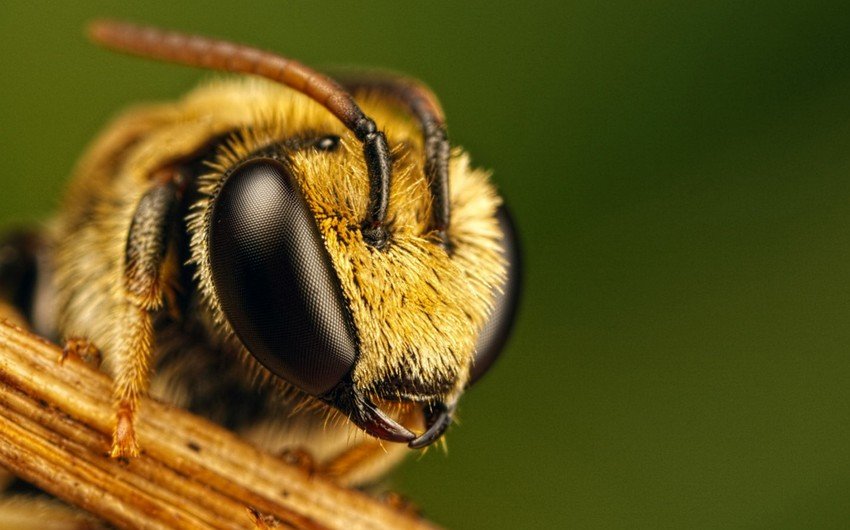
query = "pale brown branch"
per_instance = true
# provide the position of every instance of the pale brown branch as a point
(55, 432)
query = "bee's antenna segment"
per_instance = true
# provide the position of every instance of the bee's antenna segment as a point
(214, 54)
(421, 102)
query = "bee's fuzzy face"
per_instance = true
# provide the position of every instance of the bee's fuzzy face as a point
(415, 307)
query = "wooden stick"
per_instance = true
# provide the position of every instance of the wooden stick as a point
(55, 432)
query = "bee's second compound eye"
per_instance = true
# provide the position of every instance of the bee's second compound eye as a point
(275, 281)
(495, 334)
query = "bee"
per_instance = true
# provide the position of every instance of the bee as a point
(303, 260)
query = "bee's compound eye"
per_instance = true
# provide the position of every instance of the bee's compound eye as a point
(275, 280)
(495, 334)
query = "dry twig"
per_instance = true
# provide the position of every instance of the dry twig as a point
(55, 431)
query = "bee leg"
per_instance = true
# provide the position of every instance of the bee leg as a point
(144, 258)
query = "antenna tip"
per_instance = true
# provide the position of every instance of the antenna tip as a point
(105, 31)
(96, 28)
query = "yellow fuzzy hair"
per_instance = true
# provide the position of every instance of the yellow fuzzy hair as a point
(416, 308)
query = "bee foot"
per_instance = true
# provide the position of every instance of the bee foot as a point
(124, 437)
(80, 349)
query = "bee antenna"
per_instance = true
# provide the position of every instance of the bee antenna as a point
(421, 102)
(214, 54)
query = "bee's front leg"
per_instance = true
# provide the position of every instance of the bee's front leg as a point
(145, 254)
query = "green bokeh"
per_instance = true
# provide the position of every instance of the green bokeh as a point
(681, 175)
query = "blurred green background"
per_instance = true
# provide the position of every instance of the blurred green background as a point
(681, 175)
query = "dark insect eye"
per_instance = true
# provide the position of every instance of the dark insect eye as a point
(275, 280)
(327, 143)
(496, 332)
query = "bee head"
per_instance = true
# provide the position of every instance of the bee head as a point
(363, 328)
(355, 273)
